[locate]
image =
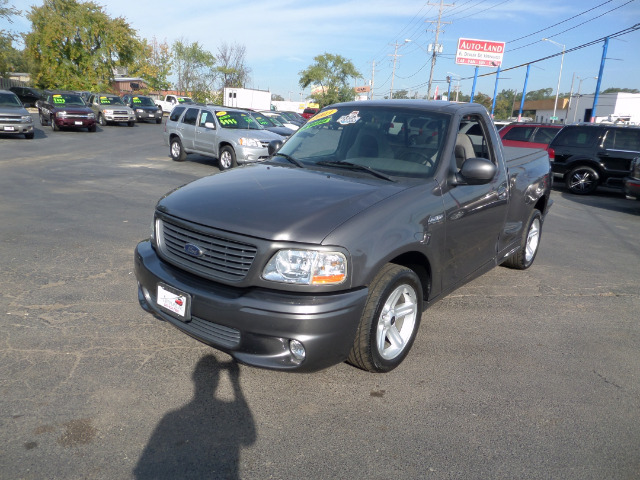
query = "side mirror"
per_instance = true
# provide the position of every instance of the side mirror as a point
(476, 171)
(274, 146)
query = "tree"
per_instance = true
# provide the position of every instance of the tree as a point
(7, 52)
(153, 64)
(542, 94)
(330, 74)
(277, 98)
(505, 102)
(400, 94)
(77, 46)
(231, 65)
(195, 69)
(621, 90)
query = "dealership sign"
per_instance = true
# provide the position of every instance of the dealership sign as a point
(484, 53)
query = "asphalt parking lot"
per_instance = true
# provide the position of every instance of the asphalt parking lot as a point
(518, 375)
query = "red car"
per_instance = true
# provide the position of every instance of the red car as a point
(310, 112)
(66, 109)
(529, 135)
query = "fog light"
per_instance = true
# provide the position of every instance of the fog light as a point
(297, 350)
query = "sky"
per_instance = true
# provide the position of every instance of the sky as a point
(282, 37)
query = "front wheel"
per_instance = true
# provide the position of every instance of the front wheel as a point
(176, 150)
(43, 120)
(227, 158)
(54, 127)
(389, 321)
(582, 180)
(526, 254)
(131, 124)
(101, 120)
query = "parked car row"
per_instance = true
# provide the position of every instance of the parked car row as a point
(584, 156)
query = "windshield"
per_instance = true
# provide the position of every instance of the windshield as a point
(64, 100)
(9, 100)
(104, 100)
(265, 121)
(237, 120)
(142, 102)
(389, 140)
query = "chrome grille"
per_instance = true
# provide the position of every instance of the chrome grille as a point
(220, 259)
(10, 119)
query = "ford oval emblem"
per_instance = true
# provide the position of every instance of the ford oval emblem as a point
(193, 250)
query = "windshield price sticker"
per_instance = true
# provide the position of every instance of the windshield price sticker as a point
(136, 100)
(351, 118)
(174, 301)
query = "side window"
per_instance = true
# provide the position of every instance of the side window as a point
(175, 114)
(472, 140)
(545, 135)
(520, 134)
(628, 140)
(191, 116)
(206, 116)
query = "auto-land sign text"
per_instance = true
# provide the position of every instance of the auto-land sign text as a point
(484, 53)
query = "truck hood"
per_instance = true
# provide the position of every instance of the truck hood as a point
(277, 203)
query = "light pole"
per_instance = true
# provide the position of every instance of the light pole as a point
(575, 111)
(555, 104)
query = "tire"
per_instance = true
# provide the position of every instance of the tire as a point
(389, 321)
(91, 129)
(131, 124)
(176, 151)
(54, 127)
(158, 121)
(582, 180)
(43, 120)
(29, 136)
(529, 245)
(101, 120)
(227, 158)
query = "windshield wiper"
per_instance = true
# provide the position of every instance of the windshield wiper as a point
(297, 163)
(356, 166)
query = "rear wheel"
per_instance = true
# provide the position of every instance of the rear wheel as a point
(176, 150)
(582, 180)
(227, 158)
(526, 254)
(389, 321)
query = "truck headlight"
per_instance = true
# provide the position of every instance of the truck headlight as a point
(108, 112)
(306, 267)
(250, 142)
(27, 119)
(139, 110)
(62, 113)
(91, 115)
(635, 167)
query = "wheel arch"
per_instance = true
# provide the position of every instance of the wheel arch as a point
(421, 266)
(584, 162)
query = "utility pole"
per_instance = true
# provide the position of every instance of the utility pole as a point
(393, 72)
(373, 74)
(437, 48)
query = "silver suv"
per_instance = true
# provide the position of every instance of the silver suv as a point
(14, 118)
(232, 136)
(109, 108)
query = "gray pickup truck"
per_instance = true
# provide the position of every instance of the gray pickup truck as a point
(231, 136)
(332, 249)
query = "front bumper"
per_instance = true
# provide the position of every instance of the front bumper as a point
(251, 154)
(255, 325)
(120, 118)
(80, 122)
(16, 127)
(146, 115)
(631, 187)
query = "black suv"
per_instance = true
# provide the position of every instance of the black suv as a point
(27, 95)
(588, 155)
